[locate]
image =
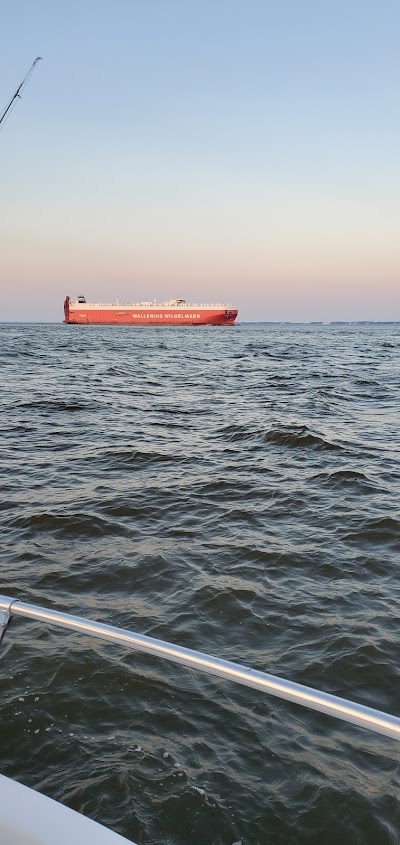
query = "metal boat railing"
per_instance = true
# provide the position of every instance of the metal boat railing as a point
(340, 708)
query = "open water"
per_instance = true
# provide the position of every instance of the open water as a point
(231, 490)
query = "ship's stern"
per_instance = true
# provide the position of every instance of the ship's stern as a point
(66, 309)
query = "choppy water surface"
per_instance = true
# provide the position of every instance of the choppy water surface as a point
(231, 490)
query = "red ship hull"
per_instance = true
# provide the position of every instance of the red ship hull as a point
(140, 315)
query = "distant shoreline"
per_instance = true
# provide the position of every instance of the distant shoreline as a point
(240, 322)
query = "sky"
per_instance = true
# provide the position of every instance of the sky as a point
(243, 151)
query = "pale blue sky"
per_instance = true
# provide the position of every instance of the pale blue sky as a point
(243, 151)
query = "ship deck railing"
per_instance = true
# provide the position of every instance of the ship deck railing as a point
(331, 705)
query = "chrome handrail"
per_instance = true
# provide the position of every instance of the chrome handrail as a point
(332, 705)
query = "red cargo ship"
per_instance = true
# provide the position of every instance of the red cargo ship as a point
(175, 312)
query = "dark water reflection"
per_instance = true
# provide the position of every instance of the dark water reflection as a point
(235, 491)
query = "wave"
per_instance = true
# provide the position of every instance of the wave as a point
(349, 479)
(75, 525)
(298, 437)
(54, 407)
(380, 531)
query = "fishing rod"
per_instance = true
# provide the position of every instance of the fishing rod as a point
(18, 92)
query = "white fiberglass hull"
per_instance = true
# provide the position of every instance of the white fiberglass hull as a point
(29, 818)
